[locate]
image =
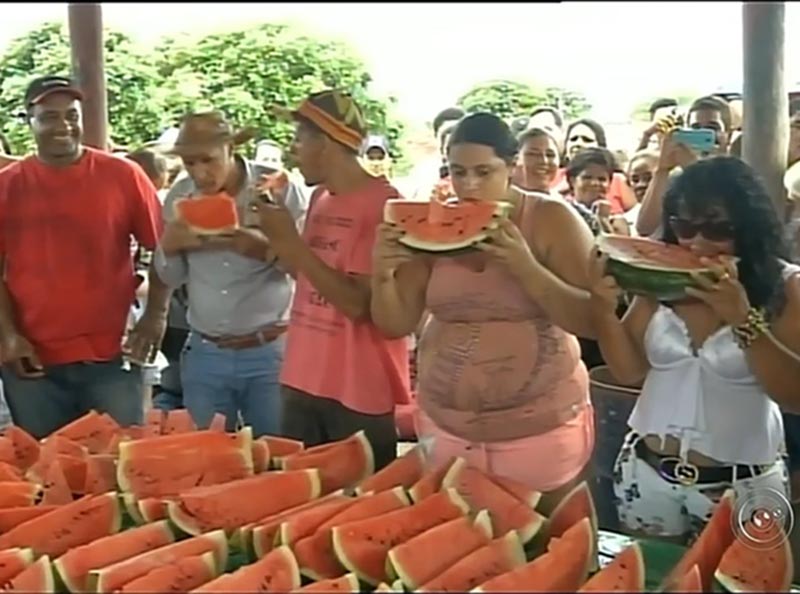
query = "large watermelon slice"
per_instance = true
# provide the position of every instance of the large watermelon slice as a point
(315, 554)
(707, 551)
(167, 465)
(576, 505)
(37, 577)
(261, 537)
(93, 430)
(562, 569)
(758, 560)
(647, 267)
(208, 215)
(692, 582)
(26, 448)
(232, 505)
(430, 481)
(496, 558)
(402, 472)
(437, 226)
(113, 577)
(19, 494)
(182, 575)
(276, 572)
(101, 474)
(362, 546)
(507, 512)
(423, 557)
(280, 447)
(624, 574)
(522, 492)
(67, 526)
(346, 583)
(75, 565)
(12, 517)
(341, 464)
(305, 522)
(13, 561)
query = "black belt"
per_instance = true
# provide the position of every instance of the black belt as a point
(677, 471)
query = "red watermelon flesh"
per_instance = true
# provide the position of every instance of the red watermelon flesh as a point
(261, 537)
(520, 491)
(153, 509)
(10, 473)
(443, 226)
(346, 583)
(57, 490)
(26, 448)
(154, 420)
(93, 430)
(362, 546)
(182, 575)
(67, 526)
(167, 465)
(305, 523)
(74, 471)
(13, 562)
(12, 517)
(261, 457)
(37, 577)
(276, 572)
(430, 482)
(178, 421)
(315, 554)
(282, 446)
(48, 470)
(403, 472)
(7, 453)
(101, 474)
(344, 464)
(507, 512)
(649, 253)
(113, 577)
(76, 564)
(496, 558)
(208, 215)
(19, 494)
(423, 557)
(217, 423)
(625, 573)
(232, 505)
(707, 551)
(576, 505)
(758, 560)
(58, 444)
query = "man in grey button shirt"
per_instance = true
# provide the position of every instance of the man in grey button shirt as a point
(239, 296)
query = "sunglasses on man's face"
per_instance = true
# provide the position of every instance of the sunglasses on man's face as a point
(711, 230)
(586, 139)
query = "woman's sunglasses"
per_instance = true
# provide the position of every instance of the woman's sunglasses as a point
(586, 139)
(711, 230)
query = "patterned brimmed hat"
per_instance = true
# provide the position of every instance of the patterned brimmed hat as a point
(336, 114)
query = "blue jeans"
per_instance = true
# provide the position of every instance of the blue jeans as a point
(67, 392)
(233, 382)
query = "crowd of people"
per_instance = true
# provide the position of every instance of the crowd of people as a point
(311, 320)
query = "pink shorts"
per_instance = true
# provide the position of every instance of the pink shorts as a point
(543, 462)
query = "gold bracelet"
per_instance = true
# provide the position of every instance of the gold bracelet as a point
(754, 326)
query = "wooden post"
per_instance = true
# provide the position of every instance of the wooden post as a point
(86, 41)
(765, 135)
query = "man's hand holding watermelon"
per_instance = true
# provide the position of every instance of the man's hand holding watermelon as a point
(279, 228)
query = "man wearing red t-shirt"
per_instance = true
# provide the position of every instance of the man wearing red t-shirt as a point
(340, 375)
(67, 215)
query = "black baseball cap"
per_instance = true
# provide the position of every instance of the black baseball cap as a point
(43, 86)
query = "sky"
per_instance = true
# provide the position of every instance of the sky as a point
(427, 54)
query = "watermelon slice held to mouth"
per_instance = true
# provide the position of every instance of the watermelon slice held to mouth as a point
(444, 226)
(647, 267)
(208, 215)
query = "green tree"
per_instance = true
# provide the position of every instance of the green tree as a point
(135, 99)
(509, 98)
(247, 73)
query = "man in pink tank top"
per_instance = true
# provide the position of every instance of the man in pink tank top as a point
(340, 375)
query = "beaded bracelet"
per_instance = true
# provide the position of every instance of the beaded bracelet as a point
(754, 326)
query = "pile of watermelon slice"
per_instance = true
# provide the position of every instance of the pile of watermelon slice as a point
(168, 508)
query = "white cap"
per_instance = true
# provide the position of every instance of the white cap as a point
(269, 153)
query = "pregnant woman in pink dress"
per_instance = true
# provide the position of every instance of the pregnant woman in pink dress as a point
(501, 382)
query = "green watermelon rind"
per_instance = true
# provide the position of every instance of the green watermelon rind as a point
(131, 506)
(60, 571)
(640, 277)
